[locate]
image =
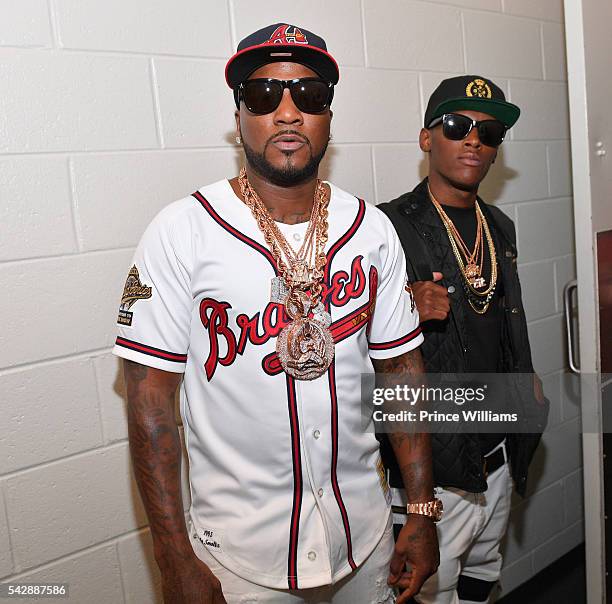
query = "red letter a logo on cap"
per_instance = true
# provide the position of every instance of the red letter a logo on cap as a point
(285, 34)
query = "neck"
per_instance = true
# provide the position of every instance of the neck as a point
(290, 205)
(449, 195)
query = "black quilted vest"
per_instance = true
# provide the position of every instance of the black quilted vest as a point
(457, 458)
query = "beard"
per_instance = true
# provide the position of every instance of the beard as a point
(287, 175)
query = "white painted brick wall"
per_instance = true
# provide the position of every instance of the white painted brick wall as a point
(491, 42)
(163, 27)
(110, 111)
(74, 102)
(30, 26)
(37, 228)
(353, 122)
(6, 554)
(93, 576)
(394, 37)
(69, 418)
(99, 504)
(141, 578)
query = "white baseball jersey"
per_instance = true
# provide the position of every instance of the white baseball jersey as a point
(286, 484)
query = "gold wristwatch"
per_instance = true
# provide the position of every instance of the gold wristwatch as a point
(433, 509)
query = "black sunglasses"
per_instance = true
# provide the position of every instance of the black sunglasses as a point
(456, 127)
(263, 95)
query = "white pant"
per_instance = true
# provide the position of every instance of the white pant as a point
(470, 534)
(366, 585)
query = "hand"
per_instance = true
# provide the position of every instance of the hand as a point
(431, 299)
(417, 545)
(191, 582)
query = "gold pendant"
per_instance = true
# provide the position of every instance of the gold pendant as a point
(471, 272)
(305, 348)
(299, 273)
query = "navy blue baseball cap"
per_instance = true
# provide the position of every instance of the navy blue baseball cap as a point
(281, 42)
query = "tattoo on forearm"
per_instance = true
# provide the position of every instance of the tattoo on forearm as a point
(412, 449)
(134, 371)
(409, 363)
(155, 449)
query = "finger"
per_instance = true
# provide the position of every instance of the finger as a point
(416, 582)
(404, 581)
(396, 567)
(443, 305)
(437, 276)
(405, 597)
(439, 290)
(438, 300)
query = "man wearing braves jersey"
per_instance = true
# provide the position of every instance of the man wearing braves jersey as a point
(265, 297)
(463, 268)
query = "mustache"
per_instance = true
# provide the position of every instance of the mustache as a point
(289, 132)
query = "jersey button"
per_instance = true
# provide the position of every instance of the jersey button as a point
(297, 236)
(312, 556)
(320, 492)
(316, 434)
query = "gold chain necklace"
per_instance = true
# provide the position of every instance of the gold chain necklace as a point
(305, 347)
(471, 270)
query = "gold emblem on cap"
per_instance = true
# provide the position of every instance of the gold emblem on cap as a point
(478, 88)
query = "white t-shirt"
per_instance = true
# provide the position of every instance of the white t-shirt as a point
(285, 482)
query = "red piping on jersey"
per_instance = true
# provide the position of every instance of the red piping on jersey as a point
(394, 343)
(334, 476)
(292, 573)
(230, 229)
(151, 351)
(331, 372)
(373, 292)
(343, 240)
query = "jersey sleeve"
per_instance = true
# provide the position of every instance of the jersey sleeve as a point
(156, 304)
(395, 324)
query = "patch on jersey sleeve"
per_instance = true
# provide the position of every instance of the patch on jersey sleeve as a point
(133, 291)
(382, 477)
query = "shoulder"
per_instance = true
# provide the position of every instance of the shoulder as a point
(172, 229)
(181, 213)
(407, 205)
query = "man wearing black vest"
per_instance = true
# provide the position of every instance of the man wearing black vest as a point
(462, 267)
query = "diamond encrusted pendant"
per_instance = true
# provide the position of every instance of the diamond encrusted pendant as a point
(305, 348)
(321, 315)
(278, 290)
(478, 282)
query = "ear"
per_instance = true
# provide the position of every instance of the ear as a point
(237, 118)
(425, 140)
